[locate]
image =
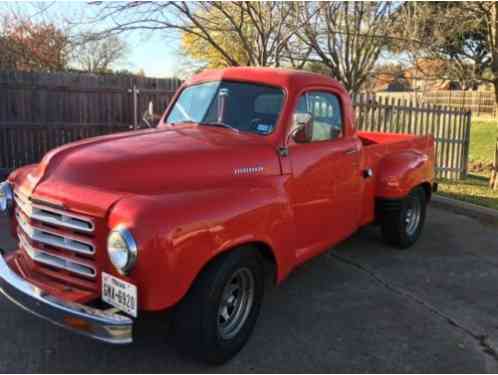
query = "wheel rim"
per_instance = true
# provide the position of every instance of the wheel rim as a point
(412, 215)
(236, 303)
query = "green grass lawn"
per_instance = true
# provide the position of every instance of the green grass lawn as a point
(474, 188)
(482, 142)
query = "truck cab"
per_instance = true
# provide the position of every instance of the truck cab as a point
(250, 170)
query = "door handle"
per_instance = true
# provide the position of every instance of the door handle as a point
(351, 151)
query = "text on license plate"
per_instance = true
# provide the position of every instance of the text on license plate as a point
(120, 294)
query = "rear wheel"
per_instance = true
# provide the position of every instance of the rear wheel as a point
(402, 226)
(216, 318)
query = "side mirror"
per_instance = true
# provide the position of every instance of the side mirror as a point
(148, 116)
(303, 133)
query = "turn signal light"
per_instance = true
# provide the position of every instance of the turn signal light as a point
(78, 324)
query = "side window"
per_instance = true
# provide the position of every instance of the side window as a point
(326, 111)
(302, 107)
(327, 116)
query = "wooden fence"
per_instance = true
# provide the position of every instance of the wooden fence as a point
(449, 126)
(39, 111)
(26, 143)
(480, 103)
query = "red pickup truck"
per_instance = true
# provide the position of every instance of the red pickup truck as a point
(250, 172)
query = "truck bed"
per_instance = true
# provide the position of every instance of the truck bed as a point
(377, 147)
(375, 138)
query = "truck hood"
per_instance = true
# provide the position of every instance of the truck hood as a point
(189, 157)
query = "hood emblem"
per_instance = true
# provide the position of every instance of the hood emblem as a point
(248, 170)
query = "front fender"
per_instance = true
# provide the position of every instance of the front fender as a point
(400, 172)
(178, 234)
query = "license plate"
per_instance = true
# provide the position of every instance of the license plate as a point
(120, 294)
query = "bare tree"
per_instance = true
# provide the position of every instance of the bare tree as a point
(264, 31)
(99, 55)
(348, 37)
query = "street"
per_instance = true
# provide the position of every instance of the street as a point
(361, 307)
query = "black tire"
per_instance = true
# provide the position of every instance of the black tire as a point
(396, 225)
(196, 319)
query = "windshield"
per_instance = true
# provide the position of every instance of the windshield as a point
(241, 106)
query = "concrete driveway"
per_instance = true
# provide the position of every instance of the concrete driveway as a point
(362, 307)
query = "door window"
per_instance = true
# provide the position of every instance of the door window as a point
(327, 115)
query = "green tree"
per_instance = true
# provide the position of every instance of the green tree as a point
(201, 49)
(463, 33)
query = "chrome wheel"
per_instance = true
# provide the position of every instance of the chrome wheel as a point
(412, 215)
(236, 303)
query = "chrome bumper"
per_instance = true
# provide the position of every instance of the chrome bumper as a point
(98, 324)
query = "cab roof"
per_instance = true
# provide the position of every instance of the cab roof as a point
(285, 78)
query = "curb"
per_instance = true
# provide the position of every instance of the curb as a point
(484, 214)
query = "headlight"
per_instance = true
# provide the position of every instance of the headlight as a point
(122, 249)
(6, 198)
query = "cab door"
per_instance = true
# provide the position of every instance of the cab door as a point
(325, 185)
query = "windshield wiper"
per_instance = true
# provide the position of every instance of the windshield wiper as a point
(221, 125)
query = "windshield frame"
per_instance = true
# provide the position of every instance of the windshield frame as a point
(277, 122)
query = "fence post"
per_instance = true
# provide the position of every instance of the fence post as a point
(409, 129)
(398, 106)
(460, 136)
(479, 104)
(135, 107)
(134, 92)
(468, 118)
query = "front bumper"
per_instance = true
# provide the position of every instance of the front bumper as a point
(97, 324)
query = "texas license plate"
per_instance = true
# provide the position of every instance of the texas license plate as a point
(120, 294)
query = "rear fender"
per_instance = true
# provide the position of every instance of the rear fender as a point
(400, 172)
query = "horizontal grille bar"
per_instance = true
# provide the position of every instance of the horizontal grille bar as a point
(53, 216)
(48, 237)
(57, 261)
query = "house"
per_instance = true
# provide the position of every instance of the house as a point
(424, 75)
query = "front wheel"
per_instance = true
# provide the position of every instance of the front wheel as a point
(401, 226)
(216, 318)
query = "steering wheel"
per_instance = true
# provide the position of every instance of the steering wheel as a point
(335, 131)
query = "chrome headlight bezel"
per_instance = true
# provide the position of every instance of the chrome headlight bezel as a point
(6, 198)
(128, 250)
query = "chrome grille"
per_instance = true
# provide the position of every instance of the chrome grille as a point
(53, 216)
(48, 234)
(57, 261)
(54, 239)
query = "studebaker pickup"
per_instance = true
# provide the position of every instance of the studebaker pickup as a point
(250, 170)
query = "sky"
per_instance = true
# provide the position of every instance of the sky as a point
(157, 53)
